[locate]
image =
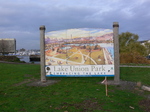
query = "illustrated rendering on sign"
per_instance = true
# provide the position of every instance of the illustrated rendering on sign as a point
(82, 52)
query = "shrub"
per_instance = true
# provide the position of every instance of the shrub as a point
(9, 58)
(134, 57)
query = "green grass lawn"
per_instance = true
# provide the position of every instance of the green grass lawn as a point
(136, 74)
(69, 94)
(95, 55)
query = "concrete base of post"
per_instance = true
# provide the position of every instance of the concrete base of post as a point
(110, 82)
(43, 81)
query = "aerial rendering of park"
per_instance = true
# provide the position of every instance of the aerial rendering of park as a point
(79, 47)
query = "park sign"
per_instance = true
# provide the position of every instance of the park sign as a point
(83, 52)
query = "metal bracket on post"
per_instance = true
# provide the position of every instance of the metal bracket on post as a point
(42, 53)
(116, 52)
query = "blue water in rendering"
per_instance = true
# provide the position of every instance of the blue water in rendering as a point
(111, 51)
(66, 48)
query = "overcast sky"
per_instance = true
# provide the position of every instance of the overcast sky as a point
(21, 19)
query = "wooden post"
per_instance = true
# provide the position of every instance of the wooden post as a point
(42, 53)
(106, 86)
(116, 52)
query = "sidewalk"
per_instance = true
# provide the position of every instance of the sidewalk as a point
(134, 66)
(18, 63)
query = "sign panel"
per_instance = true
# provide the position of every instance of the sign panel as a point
(83, 52)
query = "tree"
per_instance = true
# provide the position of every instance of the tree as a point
(96, 47)
(22, 49)
(84, 47)
(147, 45)
(125, 40)
(131, 51)
(128, 42)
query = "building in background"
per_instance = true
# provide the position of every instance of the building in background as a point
(144, 41)
(7, 45)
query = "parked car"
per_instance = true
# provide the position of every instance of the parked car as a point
(148, 57)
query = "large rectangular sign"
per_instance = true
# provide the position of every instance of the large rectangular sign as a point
(83, 52)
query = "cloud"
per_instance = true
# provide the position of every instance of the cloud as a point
(21, 20)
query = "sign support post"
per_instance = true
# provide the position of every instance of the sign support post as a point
(42, 53)
(106, 86)
(116, 53)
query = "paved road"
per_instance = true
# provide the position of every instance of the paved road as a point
(18, 63)
(134, 66)
(37, 64)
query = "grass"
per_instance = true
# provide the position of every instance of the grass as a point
(95, 55)
(75, 55)
(68, 95)
(136, 74)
